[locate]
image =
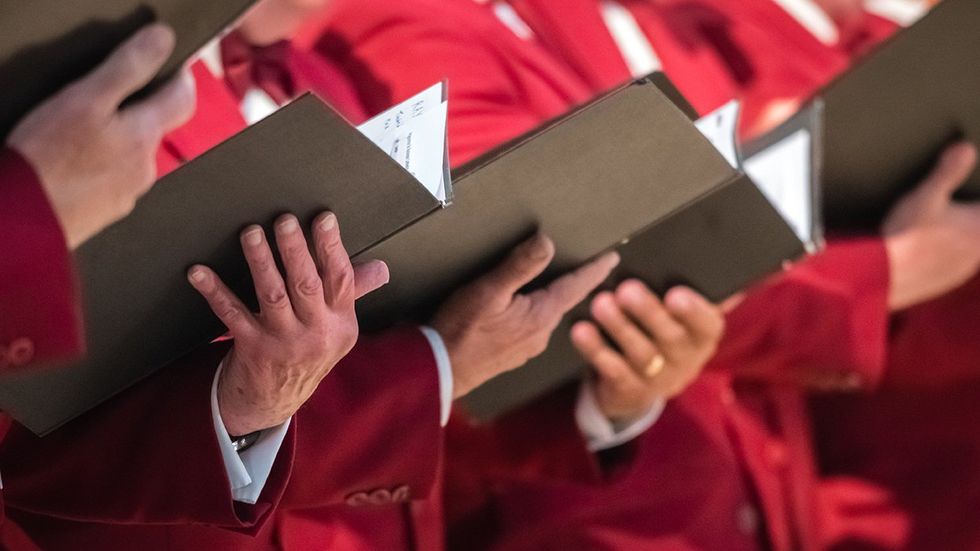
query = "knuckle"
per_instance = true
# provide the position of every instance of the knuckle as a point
(540, 343)
(275, 297)
(344, 282)
(309, 286)
(228, 311)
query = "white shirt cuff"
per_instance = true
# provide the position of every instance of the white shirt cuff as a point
(249, 470)
(445, 369)
(600, 433)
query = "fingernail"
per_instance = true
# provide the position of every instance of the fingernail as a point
(197, 275)
(328, 221)
(288, 225)
(630, 289)
(253, 237)
(158, 38)
(679, 299)
(540, 247)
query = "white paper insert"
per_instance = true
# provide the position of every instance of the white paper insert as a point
(782, 171)
(719, 127)
(413, 133)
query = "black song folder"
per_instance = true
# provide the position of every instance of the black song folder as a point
(628, 172)
(888, 119)
(46, 44)
(140, 312)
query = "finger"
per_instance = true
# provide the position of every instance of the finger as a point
(954, 167)
(569, 290)
(269, 288)
(526, 262)
(222, 301)
(644, 307)
(131, 66)
(302, 278)
(334, 263)
(166, 110)
(731, 303)
(704, 320)
(610, 366)
(637, 346)
(369, 277)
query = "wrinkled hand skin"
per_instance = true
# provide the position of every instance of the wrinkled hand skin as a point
(933, 242)
(93, 157)
(684, 329)
(305, 325)
(490, 328)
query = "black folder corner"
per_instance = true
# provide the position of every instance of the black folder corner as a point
(46, 44)
(888, 119)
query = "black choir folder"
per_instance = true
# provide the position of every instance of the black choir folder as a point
(628, 171)
(887, 120)
(45, 44)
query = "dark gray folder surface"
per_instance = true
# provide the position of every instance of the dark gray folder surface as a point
(45, 44)
(887, 119)
(630, 166)
(140, 312)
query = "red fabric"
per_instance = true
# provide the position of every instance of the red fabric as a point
(922, 445)
(575, 30)
(373, 424)
(216, 119)
(218, 116)
(495, 94)
(147, 456)
(40, 318)
(771, 56)
(262, 67)
(500, 86)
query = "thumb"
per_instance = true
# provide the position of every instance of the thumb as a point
(954, 167)
(369, 277)
(526, 262)
(168, 109)
(131, 66)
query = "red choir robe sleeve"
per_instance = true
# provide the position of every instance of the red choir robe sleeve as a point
(372, 431)
(823, 324)
(40, 319)
(149, 455)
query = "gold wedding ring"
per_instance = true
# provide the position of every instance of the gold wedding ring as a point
(655, 367)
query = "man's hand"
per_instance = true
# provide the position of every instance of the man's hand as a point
(933, 242)
(94, 158)
(662, 346)
(490, 329)
(306, 324)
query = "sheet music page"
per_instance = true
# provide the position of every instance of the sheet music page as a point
(783, 172)
(413, 133)
(719, 127)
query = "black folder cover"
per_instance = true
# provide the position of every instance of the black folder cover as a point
(45, 44)
(887, 119)
(628, 171)
(141, 313)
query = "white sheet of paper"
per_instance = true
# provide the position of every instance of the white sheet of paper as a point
(413, 133)
(719, 127)
(782, 171)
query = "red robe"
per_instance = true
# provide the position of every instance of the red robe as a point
(771, 56)
(40, 320)
(574, 29)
